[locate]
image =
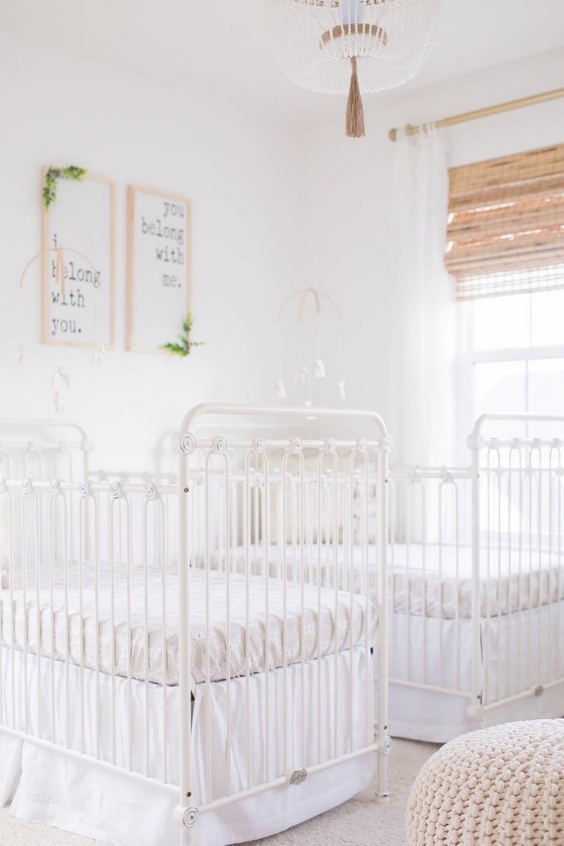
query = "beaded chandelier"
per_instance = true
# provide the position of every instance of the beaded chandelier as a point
(355, 45)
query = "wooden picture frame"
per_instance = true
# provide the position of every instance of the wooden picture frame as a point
(159, 267)
(78, 268)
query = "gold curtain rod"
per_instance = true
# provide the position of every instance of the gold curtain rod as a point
(491, 110)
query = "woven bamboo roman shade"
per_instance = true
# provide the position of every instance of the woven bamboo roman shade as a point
(506, 224)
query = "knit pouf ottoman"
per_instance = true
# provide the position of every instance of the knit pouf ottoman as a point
(502, 786)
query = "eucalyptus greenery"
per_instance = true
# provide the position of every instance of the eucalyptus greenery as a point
(52, 177)
(183, 345)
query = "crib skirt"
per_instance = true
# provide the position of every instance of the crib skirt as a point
(46, 786)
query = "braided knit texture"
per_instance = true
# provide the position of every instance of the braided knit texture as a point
(501, 786)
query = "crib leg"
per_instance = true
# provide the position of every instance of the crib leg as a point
(382, 791)
(186, 818)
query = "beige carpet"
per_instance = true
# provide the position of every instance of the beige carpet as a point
(360, 822)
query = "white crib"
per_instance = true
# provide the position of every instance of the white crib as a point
(160, 676)
(477, 583)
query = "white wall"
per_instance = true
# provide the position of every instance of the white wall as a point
(349, 190)
(275, 208)
(245, 173)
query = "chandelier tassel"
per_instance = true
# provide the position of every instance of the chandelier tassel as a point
(355, 111)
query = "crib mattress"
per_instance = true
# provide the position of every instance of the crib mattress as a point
(436, 582)
(432, 581)
(329, 622)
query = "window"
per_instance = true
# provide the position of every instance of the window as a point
(513, 357)
(506, 252)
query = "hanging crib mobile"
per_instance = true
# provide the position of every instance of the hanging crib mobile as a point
(311, 348)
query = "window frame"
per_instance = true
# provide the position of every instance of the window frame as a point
(468, 358)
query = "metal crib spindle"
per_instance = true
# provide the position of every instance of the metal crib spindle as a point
(256, 521)
(351, 685)
(365, 538)
(520, 560)
(129, 643)
(424, 574)
(52, 558)
(382, 739)
(287, 454)
(511, 634)
(2, 636)
(540, 639)
(226, 533)
(302, 601)
(38, 554)
(208, 539)
(318, 581)
(441, 616)
(339, 507)
(560, 569)
(248, 493)
(112, 499)
(408, 540)
(489, 507)
(15, 725)
(26, 491)
(294, 523)
(530, 468)
(164, 559)
(146, 644)
(97, 704)
(551, 573)
(82, 563)
(498, 526)
(260, 446)
(185, 526)
(457, 655)
(65, 536)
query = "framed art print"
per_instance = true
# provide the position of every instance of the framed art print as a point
(159, 248)
(78, 263)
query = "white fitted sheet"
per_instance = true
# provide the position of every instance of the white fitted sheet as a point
(432, 581)
(437, 582)
(326, 618)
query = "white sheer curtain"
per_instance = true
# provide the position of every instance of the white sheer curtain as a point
(423, 328)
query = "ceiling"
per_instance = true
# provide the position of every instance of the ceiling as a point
(221, 46)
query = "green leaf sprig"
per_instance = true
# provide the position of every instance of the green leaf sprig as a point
(183, 345)
(52, 177)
